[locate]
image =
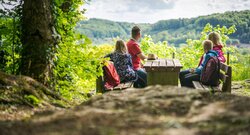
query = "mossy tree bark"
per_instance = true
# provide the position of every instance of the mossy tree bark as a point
(37, 39)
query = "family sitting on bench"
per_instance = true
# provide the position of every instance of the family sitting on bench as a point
(127, 60)
(212, 48)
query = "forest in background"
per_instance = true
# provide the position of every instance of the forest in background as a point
(175, 31)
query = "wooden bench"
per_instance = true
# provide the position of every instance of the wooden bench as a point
(100, 85)
(225, 79)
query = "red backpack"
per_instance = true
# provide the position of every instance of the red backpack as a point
(211, 71)
(111, 76)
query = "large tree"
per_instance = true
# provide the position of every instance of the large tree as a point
(37, 39)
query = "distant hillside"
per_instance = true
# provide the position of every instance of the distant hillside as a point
(101, 31)
(175, 31)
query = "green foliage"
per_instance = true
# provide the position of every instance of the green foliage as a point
(161, 49)
(240, 63)
(10, 29)
(10, 44)
(76, 61)
(32, 99)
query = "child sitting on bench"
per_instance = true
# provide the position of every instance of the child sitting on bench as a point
(187, 76)
(217, 46)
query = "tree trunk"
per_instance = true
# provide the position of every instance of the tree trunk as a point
(37, 40)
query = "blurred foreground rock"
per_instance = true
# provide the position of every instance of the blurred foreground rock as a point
(149, 111)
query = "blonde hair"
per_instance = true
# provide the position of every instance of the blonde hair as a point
(207, 45)
(215, 38)
(120, 47)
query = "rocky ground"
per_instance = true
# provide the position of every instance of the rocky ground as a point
(153, 110)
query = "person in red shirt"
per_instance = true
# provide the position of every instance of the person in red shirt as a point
(137, 55)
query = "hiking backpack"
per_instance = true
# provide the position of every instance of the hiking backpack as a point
(211, 72)
(111, 76)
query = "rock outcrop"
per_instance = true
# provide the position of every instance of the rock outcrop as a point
(153, 110)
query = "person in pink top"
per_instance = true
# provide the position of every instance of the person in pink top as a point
(216, 39)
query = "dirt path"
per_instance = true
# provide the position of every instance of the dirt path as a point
(154, 110)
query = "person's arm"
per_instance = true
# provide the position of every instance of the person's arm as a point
(141, 56)
(109, 56)
(199, 69)
(201, 59)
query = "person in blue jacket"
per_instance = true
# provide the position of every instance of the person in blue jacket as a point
(187, 76)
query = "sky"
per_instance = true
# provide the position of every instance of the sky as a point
(151, 11)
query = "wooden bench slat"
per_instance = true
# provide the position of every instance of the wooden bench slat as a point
(123, 86)
(197, 85)
(128, 84)
(119, 87)
(110, 89)
(205, 87)
(223, 77)
(224, 67)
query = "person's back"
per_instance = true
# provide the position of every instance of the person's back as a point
(122, 62)
(217, 46)
(137, 55)
(187, 76)
(207, 55)
(123, 66)
(134, 50)
(221, 57)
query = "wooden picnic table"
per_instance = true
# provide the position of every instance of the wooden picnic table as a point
(163, 71)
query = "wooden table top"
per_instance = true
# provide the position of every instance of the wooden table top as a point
(163, 65)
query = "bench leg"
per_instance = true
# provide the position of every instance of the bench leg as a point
(228, 84)
(99, 84)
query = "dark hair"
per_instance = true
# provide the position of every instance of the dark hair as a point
(135, 31)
